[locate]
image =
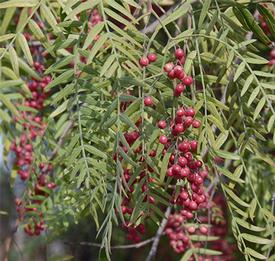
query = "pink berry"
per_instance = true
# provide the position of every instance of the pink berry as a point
(272, 54)
(179, 53)
(163, 139)
(203, 229)
(190, 112)
(162, 124)
(152, 57)
(148, 101)
(182, 161)
(193, 145)
(179, 128)
(188, 80)
(191, 230)
(180, 112)
(144, 61)
(179, 89)
(184, 146)
(193, 205)
(176, 169)
(196, 124)
(168, 67)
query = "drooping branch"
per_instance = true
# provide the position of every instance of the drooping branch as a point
(155, 244)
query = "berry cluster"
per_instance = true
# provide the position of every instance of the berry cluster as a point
(39, 179)
(178, 233)
(272, 57)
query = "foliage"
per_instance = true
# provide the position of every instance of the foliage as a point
(233, 94)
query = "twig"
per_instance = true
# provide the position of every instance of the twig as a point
(154, 247)
(61, 140)
(272, 212)
(137, 245)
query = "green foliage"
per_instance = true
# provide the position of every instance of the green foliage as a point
(233, 94)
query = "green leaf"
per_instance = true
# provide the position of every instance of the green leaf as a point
(99, 43)
(221, 139)
(229, 175)
(259, 107)
(230, 193)
(18, 3)
(82, 7)
(205, 251)
(164, 166)
(227, 155)
(268, 17)
(271, 122)
(248, 226)
(64, 77)
(254, 27)
(93, 150)
(38, 34)
(92, 34)
(256, 239)
(49, 17)
(181, 11)
(239, 71)
(6, 20)
(253, 95)
(14, 60)
(60, 109)
(6, 37)
(6, 101)
(252, 208)
(187, 255)
(124, 118)
(107, 64)
(60, 63)
(247, 83)
(25, 48)
(204, 10)
(254, 253)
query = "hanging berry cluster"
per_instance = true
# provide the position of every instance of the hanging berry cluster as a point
(183, 164)
(38, 179)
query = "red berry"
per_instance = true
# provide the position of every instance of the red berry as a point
(178, 70)
(152, 57)
(182, 161)
(190, 112)
(191, 230)
(176, 169)
(272, 54)
(171, 74)
(179, 89)
(188, 121)
(144, 61)
(203, 229)
(196, 124)
(170, 172)
(184, 146)
(193, 145)
(193, 205)
(179, 128)
(179, 53)
(184, 172)
(163, 139)
(148, 101)
(168, 67)
(180, 112)
(188, 80)
(162, 124)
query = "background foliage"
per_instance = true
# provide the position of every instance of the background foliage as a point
(233, 94)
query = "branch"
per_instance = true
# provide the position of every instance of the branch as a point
(154, 247)
(137, 245)
(61, 140)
